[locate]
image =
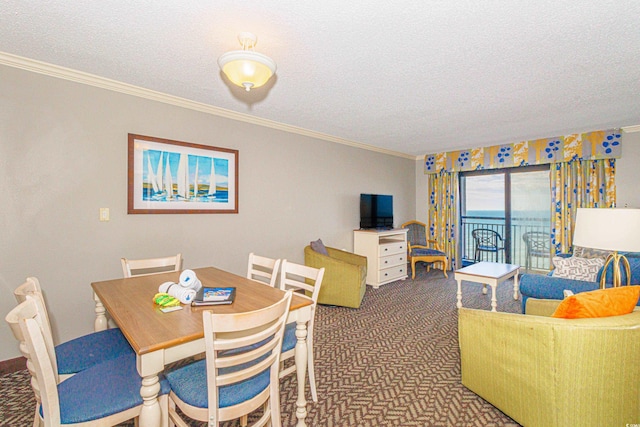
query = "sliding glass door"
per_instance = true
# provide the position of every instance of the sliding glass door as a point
(505, 216)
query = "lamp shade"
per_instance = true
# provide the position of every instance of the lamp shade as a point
(247, 68)
(612, 229)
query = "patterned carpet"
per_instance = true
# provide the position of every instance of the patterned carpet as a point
(393, 362)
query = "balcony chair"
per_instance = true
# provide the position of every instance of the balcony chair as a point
(106, 394)
(79, 353)
(345, 276)
(487, 240)
(309, 280)
(262, 269)
(419, 249)
(537, 244)
(553, 372)
(240, 372)
(141, 267)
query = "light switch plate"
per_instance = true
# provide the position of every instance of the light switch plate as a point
(104, 214)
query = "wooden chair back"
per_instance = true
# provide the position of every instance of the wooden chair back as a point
(263, 269)
(309, 280)
(25, 321)
(31, 288)
(143, 267)
(228, 362)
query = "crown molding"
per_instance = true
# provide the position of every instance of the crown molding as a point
(631, 129)
(116, 86)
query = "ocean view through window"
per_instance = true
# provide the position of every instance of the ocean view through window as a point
(514, 204)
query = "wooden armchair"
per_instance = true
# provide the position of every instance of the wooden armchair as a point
(421, 249)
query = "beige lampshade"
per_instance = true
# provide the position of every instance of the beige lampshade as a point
(613, 229)
(247, 68)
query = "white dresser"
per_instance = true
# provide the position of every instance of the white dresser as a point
(386, 252)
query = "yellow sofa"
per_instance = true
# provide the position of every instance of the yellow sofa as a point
(546, 372)
(345, 275)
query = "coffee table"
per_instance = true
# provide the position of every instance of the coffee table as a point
(488, 273)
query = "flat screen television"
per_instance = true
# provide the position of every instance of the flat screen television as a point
(376, 211)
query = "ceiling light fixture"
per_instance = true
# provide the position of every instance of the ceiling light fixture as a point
(247, 68)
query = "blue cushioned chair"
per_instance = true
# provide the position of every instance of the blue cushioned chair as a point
(105, 394)
(80, 353)
(240, 372)
(419, 249)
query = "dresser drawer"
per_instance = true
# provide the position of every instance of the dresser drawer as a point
(392, 260)
(388, 274)
(392, 248)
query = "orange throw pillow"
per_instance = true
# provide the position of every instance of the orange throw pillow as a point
(600, 303)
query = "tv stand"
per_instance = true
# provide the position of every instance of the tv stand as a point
(386, 252)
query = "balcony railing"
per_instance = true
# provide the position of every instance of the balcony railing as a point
(515, 246)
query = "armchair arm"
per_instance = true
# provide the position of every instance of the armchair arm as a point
(348, 257)
(344, 283)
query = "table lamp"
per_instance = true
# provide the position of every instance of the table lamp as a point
(611, 229)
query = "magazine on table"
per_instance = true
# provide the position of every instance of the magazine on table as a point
(214, 296)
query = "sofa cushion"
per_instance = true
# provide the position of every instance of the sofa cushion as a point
(590, 253)
(599, 303)
(319, 247)
(577, 268)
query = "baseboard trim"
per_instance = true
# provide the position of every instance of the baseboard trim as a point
(12, 365)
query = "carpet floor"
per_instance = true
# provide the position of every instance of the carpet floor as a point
(394, 361)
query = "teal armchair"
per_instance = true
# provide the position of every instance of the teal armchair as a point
(345, 275)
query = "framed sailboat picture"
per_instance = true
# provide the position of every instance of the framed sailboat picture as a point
(170, 177)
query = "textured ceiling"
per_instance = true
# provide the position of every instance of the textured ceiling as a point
(413, 77)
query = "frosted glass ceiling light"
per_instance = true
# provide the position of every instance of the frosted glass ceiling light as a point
(247, 68)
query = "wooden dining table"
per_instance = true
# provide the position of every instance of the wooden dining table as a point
(162, 338)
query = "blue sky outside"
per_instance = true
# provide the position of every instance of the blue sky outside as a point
(529, 192)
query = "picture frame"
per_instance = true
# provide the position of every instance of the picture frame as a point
(174, 177)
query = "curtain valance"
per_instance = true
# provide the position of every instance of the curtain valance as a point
(604, 144)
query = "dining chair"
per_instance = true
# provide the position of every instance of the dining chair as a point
(298, 277)
(240, 372)
(263, 269)
(106, 394)
(487, 240)
(79, 353)
(421, 249)
(141, 267)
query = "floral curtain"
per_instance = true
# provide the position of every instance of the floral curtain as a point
(601, 144)
(443, 213)
(578, 184)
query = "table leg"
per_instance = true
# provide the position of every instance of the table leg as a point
(301, 371)
(494, 300)
(459, 294)
(100, 324)
(516, 285)
(150, 415)
(484, 289)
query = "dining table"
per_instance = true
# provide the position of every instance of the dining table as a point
(162, 338)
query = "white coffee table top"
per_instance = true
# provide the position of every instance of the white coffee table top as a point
(494, 270)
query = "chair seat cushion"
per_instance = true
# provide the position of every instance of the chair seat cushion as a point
(426, 252)
(190, 385)
(88, 350)
(289, 339)
(102, 390)
(488, 248)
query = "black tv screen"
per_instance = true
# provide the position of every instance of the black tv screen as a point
(376, 211)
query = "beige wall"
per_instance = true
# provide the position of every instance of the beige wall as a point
(63, 155)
